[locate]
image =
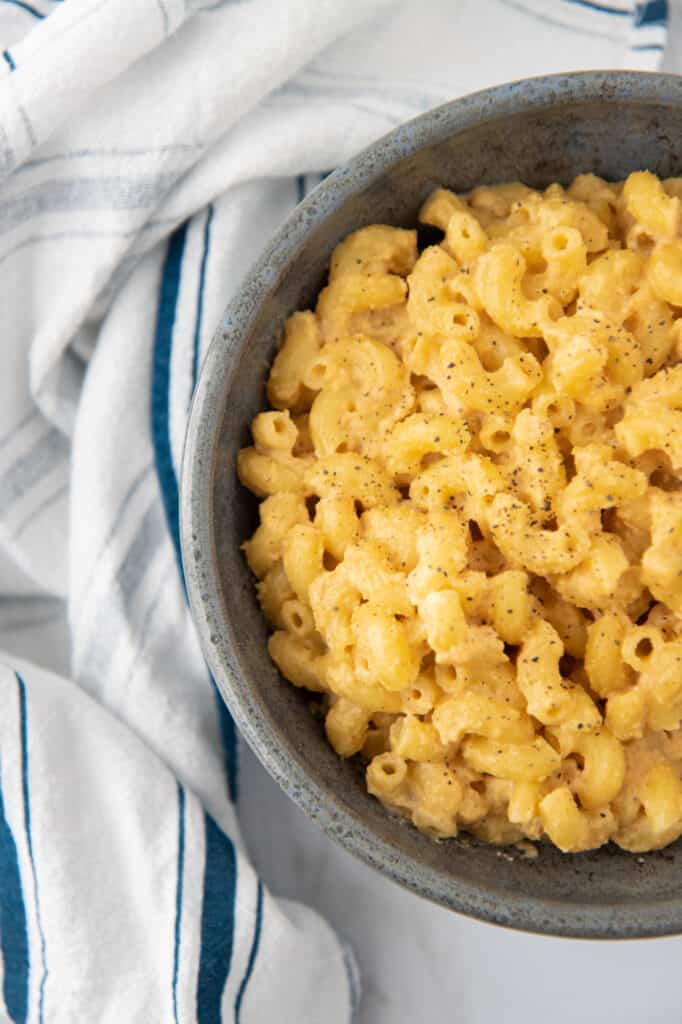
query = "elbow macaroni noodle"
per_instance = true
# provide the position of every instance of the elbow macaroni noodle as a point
(470, 539)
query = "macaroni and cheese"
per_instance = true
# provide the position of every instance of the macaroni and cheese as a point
(470, 538)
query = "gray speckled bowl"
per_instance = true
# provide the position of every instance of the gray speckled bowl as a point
(539, 131)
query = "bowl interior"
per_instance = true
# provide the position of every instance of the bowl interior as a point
(538, 132)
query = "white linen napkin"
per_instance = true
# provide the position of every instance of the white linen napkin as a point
(147, 150)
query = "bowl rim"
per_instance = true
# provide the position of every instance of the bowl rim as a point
(523, 912)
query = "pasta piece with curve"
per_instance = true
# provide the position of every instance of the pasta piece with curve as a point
(416, 740)
(273, 591)
(421, 698)
(333, 600)
(596, 193)
(604, 664)
(498, 277)
(341, 679)
(367, 568)
(464, 238)
(647, 202)
(437, 797)
(592, 359)
(356, 476)
(363, 390)
(482, 715)
(610, 280)
(337, 521)
(499, 201)
(595, 581)
(664, 270)
(446, 625)
(662, 560)
(267, 475)
(466, 483)
(539, 471)
(510, 605)
(386, 777)
(565, 255)
(661, 795)
(300, 665)
(278, 515)
(600, 482)
(524, 800)
(565, 824)
(301, 342)
(653, 416)
(355, 293)
(377, 249)
(346, 726)
(650, 322)
(302, 557)
(603, 764)
(439, 208)
(419, 435)
(441, 548)
(395, 528)
(569, 621)
(383, 652)
(558, 211)
(462, 379)
(518, 762)
(431, 306)
(525, 544)
(551, 698)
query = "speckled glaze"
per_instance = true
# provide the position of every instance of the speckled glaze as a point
(539, 131)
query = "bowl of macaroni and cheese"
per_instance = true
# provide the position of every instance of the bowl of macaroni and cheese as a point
(432, 505)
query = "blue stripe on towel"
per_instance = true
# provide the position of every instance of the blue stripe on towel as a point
(29, 837)
(217, 922)
(255, 944)
(178, 897)
(220, 872)
(25, 7)
(13, 930)
(655, 12)
(170, 287)
(591, 5)
(9, 59)
(200, 296)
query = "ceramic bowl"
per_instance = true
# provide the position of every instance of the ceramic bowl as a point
(539, 131)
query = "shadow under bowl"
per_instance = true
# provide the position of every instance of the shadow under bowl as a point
(537, 131)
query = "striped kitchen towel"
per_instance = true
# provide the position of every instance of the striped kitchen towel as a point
(147, 150)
